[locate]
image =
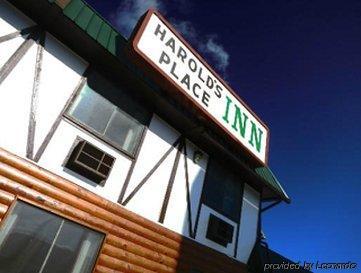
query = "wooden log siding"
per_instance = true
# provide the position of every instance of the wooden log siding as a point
(133, 244)
(6, 200)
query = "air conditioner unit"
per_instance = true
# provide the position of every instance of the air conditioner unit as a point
(89, 161)
(219, 231)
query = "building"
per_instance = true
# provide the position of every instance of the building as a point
(122, 155)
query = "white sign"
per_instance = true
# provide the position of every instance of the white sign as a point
(166, 51)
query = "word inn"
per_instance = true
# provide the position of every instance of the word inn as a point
(122, 155)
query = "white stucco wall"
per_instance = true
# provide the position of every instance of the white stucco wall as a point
(15, 97)
(249, 221)
(60, 74)
(203, 227)
(148, 201)
(59, 147)
(177, 213)
(61, 71)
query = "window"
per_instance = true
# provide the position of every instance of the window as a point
(120, 126)
(89, 161)
(35, 241)
(223, 190)
(219, 231)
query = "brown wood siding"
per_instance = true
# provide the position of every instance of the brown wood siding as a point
(133, 244)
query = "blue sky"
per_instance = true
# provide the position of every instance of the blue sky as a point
(298, 65)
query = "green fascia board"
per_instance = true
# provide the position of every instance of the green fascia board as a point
(95, 25)
(112, 45)
(73, 9)
(84, 17)
(104, 34)
(272, 181)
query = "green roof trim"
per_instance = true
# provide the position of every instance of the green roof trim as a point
(104, 35)
(112, 45)
(92, 23)
(84, 16)
(94, 26)
(272, 181)
(74, 8)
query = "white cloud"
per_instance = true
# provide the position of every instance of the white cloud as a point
(209, 46)
(186, 28)
(220, 56)
(129, 11)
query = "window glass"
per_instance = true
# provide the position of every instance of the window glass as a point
(35, 241)
(123, 130)
(92, 109)
(74, 244)
(107, 120)
(223, 190)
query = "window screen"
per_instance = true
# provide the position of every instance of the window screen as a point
(106, 119)
(223, 190)
(36, 241)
